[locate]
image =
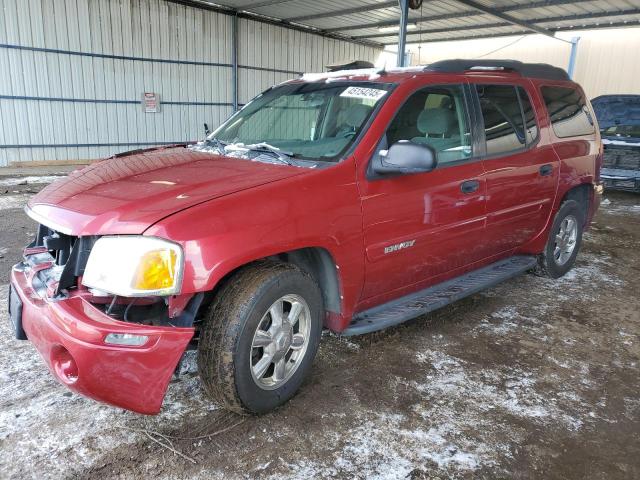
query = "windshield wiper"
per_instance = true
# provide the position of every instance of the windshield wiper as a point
(217, 144)
(284, 157)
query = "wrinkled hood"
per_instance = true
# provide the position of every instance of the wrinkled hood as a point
(612, 110)
(127, 194)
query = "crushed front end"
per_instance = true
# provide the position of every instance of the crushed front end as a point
(118, 350)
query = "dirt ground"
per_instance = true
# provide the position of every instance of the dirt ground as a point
(532, 379)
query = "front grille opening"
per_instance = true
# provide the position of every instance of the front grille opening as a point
(622, 158)
(68, 252)
(153, 311)
(145, 311)
(58, 244)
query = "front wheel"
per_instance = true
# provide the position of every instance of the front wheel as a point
(260, 337)
(565, 239)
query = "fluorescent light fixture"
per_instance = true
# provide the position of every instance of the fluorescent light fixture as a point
(395, 28)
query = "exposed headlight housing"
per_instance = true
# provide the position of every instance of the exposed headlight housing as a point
(134, 266)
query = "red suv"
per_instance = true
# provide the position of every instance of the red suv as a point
(350, 200)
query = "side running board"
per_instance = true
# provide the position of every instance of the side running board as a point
(432, 298)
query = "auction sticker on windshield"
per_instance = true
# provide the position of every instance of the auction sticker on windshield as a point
(363, 92)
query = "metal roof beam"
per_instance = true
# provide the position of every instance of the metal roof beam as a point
(344, 11)
(465, 37)
(566, 18)
(438, 30)
(267, 3)
(446, 16)
(503, 16)
(272, 21)
(513, 34)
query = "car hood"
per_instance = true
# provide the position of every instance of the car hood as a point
(126, 194)
(612, 110)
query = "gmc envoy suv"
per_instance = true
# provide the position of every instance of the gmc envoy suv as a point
(350, 200)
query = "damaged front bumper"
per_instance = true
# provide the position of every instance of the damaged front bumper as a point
(71, 336)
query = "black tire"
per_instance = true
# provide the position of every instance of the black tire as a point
(225, 345)
(547, 262)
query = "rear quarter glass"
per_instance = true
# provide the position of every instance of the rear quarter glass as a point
(568, 111)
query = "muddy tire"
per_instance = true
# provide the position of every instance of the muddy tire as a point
(565, 239)
(260, 336)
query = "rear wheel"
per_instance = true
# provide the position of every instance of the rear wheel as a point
(259, 339)
(565, 239)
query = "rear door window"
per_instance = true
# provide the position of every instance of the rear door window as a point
(568, 111)
(504, 123)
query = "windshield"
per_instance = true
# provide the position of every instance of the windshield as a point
(627, 131)
(313, 121)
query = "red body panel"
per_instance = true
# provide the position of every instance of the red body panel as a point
(227, 212)
(320, 208)
(428, 209)
(519, 199)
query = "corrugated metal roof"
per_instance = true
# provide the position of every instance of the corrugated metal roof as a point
(371, 20)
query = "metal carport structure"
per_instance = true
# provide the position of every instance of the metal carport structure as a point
(72, 73)
(379, 22)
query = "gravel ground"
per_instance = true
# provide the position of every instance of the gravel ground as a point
(532, 379)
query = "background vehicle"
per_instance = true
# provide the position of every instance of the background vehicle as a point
(352, 200)
(619, 120)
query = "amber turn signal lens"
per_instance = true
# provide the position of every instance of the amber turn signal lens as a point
(157, 270)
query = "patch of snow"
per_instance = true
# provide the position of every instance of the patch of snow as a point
(621, 209)
(28, 180)
(188, 363)
(13, 201)
(375, 451)
(507, 320)
(511, 390)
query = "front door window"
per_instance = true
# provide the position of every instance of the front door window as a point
(435, 116)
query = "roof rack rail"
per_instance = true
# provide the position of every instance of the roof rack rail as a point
(535, 70)
(353, 65)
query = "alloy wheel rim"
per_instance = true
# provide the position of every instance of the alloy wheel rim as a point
(280, 342)
(566, 240)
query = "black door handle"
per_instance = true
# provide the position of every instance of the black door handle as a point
(469, 186)
(546, 170)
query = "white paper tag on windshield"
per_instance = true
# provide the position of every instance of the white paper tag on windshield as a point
(364, 92)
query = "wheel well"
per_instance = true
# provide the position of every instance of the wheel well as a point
(580, 194)
(316, 261)
(319, 263)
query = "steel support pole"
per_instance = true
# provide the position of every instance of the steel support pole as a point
(234, 61)
(572, 56)
(402, 32)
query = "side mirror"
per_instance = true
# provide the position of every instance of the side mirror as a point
(405, 157)
(206, 130)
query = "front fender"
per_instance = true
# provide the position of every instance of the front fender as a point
(319, 209)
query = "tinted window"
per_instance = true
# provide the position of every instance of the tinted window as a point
(435, 116)
(568, 111)
(531, 127)
(629, 131)
(503, 123)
